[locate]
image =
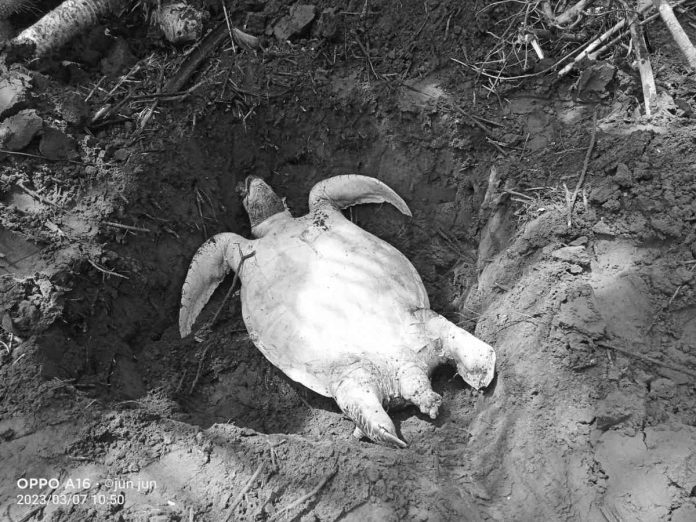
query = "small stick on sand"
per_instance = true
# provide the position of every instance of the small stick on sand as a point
(306, 497)
(125, 227)
(198, 372)
(106, 270)
(181, 381)
(585, 164)
(648, 360)
(27, 155)
(36, 196)
(367, 55)
(363, 13)
(229, 26)
(669, 303)
(257, 514)
(677, 31)
(244, 490)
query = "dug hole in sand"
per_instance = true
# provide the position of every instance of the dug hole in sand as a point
(592, 415)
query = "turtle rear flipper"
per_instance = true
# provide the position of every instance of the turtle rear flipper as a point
(415, 387)
(212, 262)
(359, 396)
(475, 359)
(354, 189)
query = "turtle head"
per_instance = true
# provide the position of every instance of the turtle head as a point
(260, 201)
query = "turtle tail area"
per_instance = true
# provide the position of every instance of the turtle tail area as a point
(475, 359)
(212, 262)
(359, 397)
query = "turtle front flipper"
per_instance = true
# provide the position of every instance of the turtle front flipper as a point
(475, 359)
(212, 262)
(353, 189)
(359, 396)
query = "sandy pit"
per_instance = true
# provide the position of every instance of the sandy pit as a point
(592, 415)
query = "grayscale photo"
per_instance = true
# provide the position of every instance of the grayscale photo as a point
(349, 260)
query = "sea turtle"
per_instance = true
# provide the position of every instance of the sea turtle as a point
(334, 307)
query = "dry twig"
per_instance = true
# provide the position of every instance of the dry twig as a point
(649, 360)
(306, 497)
(640, 50)
(367, 56)
(198, 372)
(571, 201)
(36, 195)
(125, 227)
(27, 155)
(669, 303)
(244, 490)
(229, 25)
(181, 381)
(106, 270)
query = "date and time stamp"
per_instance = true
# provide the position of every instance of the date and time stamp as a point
(44, 491)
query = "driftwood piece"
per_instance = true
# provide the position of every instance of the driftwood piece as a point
(667, 15)
(61, 25)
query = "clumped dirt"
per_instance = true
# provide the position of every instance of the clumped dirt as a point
(592, 415)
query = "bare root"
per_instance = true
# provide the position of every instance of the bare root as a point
(572, 15)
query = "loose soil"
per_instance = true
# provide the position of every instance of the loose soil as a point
(96, 385)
